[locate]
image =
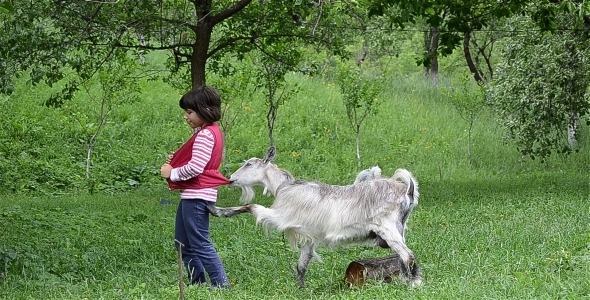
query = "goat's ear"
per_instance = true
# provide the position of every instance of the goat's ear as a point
(270, 155)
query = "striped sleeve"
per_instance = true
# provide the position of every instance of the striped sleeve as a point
(201, 154)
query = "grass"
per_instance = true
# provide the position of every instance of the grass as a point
(502, 227)
(520, 239)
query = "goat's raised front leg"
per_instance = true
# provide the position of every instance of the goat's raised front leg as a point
(408, 265)
(306, 254)
(228, 211)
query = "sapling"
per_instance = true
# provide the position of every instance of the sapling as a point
(274, 87)
(469, 101)
(110, 86)
(359, 94)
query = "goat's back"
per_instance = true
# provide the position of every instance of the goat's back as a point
(332, 212)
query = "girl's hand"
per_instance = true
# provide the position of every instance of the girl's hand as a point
(166, 171)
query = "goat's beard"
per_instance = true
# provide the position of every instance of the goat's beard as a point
(247, 194)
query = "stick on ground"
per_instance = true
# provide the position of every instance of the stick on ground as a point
(180, 276)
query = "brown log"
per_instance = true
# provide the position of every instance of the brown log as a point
(380, 269)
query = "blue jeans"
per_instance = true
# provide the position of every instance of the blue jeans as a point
(198, 253)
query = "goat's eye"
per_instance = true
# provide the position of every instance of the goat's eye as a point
(247, 164)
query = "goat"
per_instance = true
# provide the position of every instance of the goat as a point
(314, 214)
(375, 173)
(271, 181)
(364, 175)
(368, 174)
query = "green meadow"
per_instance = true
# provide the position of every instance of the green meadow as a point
(496, 226)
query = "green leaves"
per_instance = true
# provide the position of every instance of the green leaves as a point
(6, 7)
(359, 93)
(468, 98)
(450, 17)
(540, 89)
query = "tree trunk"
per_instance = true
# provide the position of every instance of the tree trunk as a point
(203, 30)
(200, 53)
(433, 50)
(431, 40)
(427, 39)
(469, 59)
(380, 269)
(572, 130)
(141, 41)
(484, 51)
(361, 59)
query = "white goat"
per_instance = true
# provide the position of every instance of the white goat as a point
(371, 212)
(364, 175)
(375, 173)
(368, 174)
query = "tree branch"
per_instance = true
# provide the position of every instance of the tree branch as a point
(229, 42)
(253, 38)
(229, 12)
(177, 23)
(271, 56)
(469, 60)
(169, 47)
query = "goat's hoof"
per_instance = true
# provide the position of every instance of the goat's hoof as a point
(416, 282)
(300, 283)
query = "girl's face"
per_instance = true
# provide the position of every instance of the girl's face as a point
(192, 119)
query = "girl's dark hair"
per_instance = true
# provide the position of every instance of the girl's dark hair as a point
(205, 101)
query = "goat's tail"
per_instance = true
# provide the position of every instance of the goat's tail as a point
(412, 184)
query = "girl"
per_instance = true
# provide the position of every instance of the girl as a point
(192, 169)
